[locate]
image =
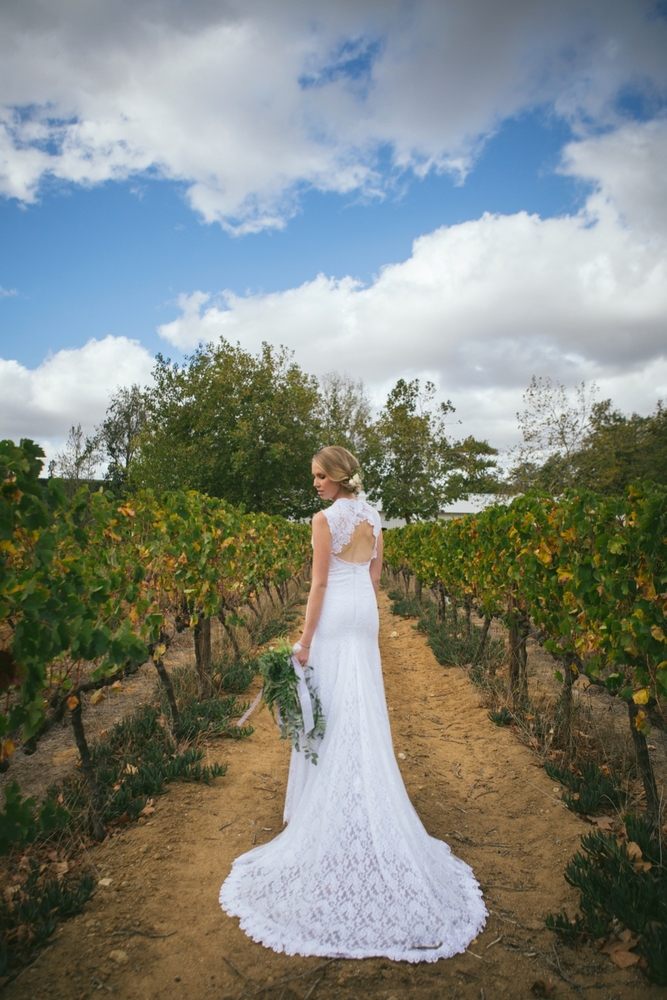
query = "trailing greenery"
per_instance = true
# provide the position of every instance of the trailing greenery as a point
(590, 789)
(281, 696)
(622, 884)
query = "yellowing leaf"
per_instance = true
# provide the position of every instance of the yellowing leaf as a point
(637, 858)
(620, 954)
(97, 696)
(7, 750)
(658, 634)
(603, 822)
(641, 697)
(72, 702)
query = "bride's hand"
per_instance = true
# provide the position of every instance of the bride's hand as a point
(302, 653)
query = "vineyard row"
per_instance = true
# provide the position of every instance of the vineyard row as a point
(90, 588)
(589, 573)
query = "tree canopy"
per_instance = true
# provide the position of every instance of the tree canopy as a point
(403, 466)
(576, 441)
(344, 412)
(234, 425)
(244, 427)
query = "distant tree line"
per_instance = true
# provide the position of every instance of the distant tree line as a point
(245, 426)
(578, 441)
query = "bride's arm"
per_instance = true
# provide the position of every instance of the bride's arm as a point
(318, 585)
(376, 564)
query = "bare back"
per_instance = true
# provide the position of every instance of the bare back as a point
(361, 545)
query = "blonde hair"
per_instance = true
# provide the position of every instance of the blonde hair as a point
(340, 466)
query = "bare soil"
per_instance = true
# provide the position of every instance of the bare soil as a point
(154, 928)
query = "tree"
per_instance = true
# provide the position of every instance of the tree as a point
(471, 469)
(118, 435)
(656, 446)
(405, 456)
(344, 412)
(554, 428)
(234, 425)
(619, 450)
(79, 460)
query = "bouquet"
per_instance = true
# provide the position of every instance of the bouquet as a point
(292, 698)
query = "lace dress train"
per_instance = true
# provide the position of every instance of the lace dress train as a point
(354, 874)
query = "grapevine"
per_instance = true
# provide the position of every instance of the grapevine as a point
(590, 572)
(91, 588)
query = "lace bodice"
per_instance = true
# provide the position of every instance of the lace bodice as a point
(343, 517)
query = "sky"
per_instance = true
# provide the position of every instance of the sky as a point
(456, 190)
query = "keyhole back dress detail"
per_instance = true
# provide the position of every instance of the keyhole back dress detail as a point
(354, 874)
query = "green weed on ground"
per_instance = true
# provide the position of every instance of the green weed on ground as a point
(623, 887)
(132, 764)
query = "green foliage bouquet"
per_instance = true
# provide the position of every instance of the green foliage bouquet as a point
(284, 696)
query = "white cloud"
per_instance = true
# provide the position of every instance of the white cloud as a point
(68, 388)
(628, 167)
(482, 306)
(248, 103)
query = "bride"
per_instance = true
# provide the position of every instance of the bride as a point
(355, 873)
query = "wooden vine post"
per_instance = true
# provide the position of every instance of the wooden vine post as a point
(518, 625)
(644, 764)
(202, 644)
(95, 803)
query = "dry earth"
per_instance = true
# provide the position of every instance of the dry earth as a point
(156, 930)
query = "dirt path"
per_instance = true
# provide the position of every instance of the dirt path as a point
(156, 931)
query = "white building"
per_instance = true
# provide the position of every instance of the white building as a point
(475, 503)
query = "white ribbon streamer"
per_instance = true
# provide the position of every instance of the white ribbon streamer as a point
(304, 697)
(252, 708)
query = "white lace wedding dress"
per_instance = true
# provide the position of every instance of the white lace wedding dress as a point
(354, 874)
